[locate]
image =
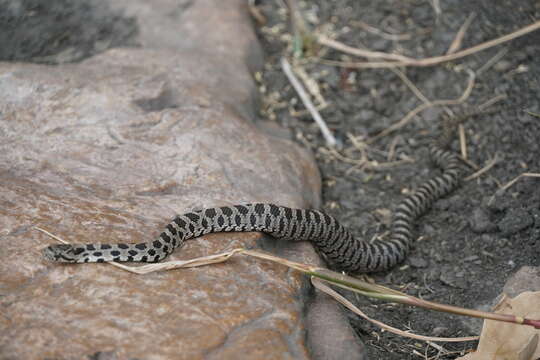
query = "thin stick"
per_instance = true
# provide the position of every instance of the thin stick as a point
(51, 235)
(436, 7)
(336, 278)
(384, 35)
(456, 44)
(512, 182)
(169, 265)
(488, 166)
(179, 264)
(319, 284)
(491, 101)
(330, 139)
(462, 141)
(256, 13)
(326, 41)
(492, 61)
(406, 61)
(410, 85)
(420, 108)
(364, 163)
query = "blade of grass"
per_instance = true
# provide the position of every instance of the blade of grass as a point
(319, 284)
(338, 279)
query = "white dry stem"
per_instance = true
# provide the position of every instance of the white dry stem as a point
(319, 284)
(327, 134)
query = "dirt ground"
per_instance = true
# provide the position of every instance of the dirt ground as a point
(473, 240)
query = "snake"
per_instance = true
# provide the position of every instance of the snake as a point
(337, 245)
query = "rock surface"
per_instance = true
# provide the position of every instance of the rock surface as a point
(111, 148)
(527, 278)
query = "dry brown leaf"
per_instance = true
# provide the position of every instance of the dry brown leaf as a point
(506, 341)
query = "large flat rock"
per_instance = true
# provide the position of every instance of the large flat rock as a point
(108, 150)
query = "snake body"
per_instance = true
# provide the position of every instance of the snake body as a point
(341, 249)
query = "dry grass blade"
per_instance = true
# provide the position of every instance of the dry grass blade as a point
(338, 279)
(363, 162)
(456, 44)
(462, 141)
(401, 60)
(513, 181)
(411, 85)
(256, 13)
(168, 265)
(404, 121)
(330, 139)
(488, 64)
(178, 264)
(486, 168)
(378, 32)
(493, 100)
(326, 289)
(532, 113)
(51, 235)
(326, 41)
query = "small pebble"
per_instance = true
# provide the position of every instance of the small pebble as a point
(502, 65)
(471, 258)
(514, 221)
(439, 330)
(417, 262)
(480, 222)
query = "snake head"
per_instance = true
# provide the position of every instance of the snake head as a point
(60, 253)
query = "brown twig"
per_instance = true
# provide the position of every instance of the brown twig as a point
(456, 44)
(378, 32)
(462, 141)
(326, 41)
(363, 162)
(319, 284)
(484, 169)
(256, 13)
(410, 85)
(513, 181)
(492, 61)
(400, 60)
(405, 120)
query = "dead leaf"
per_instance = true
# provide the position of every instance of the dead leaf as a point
(507, 341)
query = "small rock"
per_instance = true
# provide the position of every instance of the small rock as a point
(497, 202)
(418, 262)
(380, 45)
(439, 330)
(486, 238)
(480, 222)
(433, 274)
(524, 117)
(502, 65)
(449, 278)
(514, 221)
(432, 114)
(104, 355)
(428, 230)
(475, 324)
(471, 258)
(366, 115)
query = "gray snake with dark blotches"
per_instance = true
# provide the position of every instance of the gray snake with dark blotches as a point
(340, 248)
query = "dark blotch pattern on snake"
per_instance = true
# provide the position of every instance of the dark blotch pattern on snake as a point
(340, 248)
